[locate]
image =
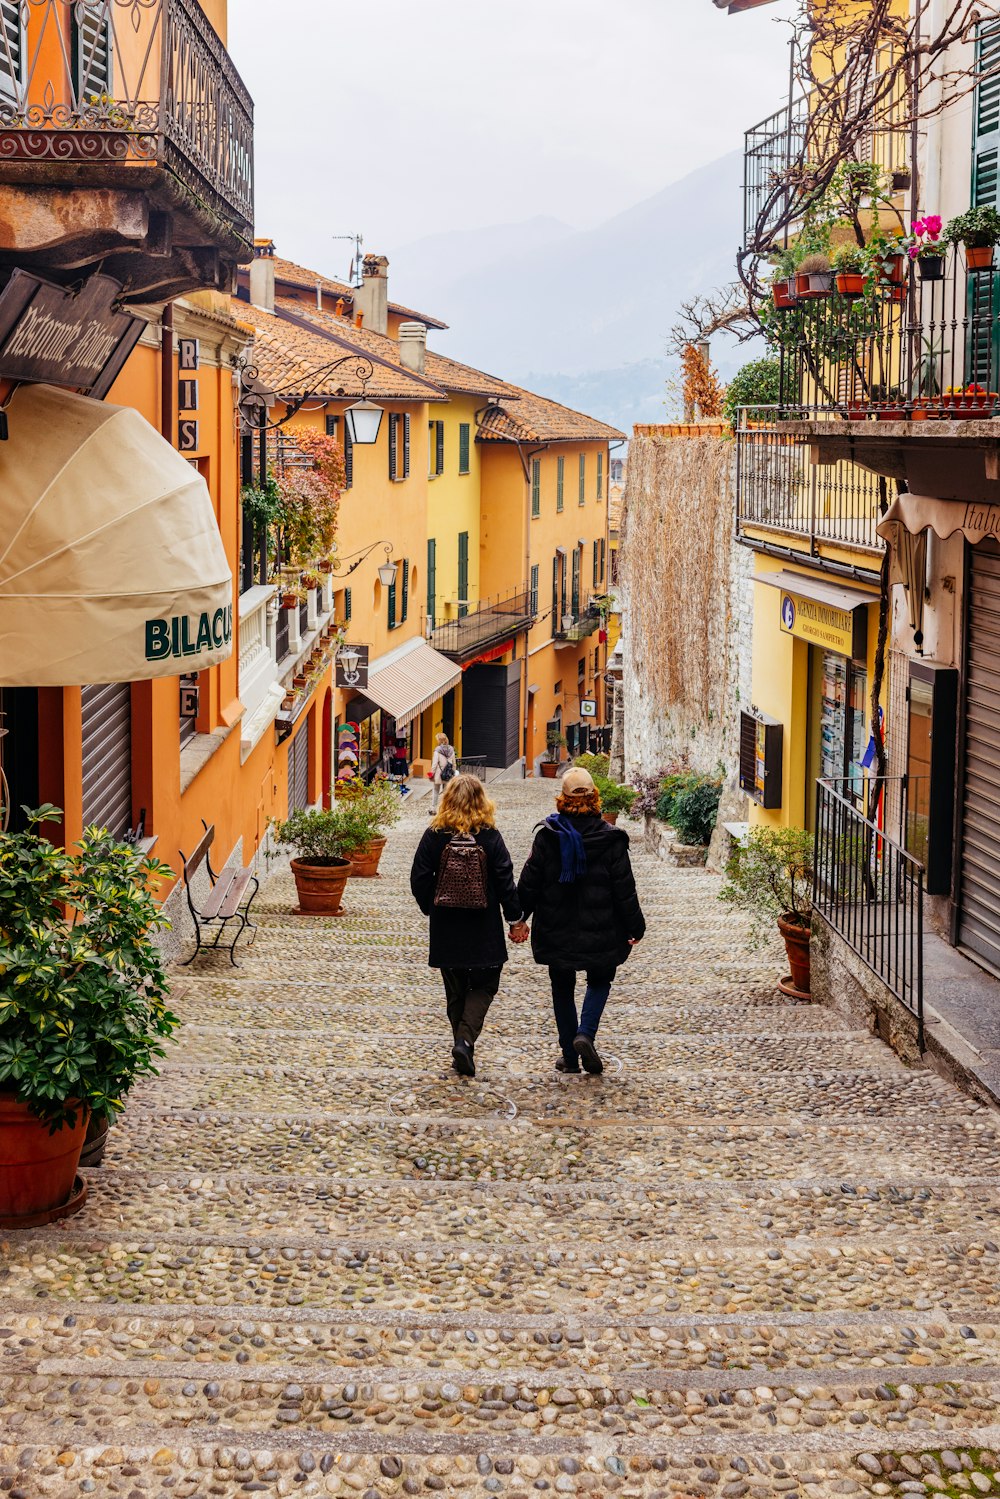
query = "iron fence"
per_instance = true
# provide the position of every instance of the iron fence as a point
(491, 621)
(870, 890)
(573, 628)
(919, 347)
(778, 489)
(126, 83)
(770, 150)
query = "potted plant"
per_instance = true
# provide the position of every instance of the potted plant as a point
(783, 280)
(87, 1014)
(978, 229)
(379, 804)
(974, 403)
(292, 596)
(310, 579)
(926, 248)
(615, 798)
(325, 841)
(887, 258)
(850, 264)
(555, 743)
(770, 876)
(814, 277)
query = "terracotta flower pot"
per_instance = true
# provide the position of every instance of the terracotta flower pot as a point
(894, 271)
(611, 817)
(784, 296)
(549, 768)
(320, 887)
(818, 284)
(851, 283)
(289, 601)
(96, 1140)
(979, 257)
(364, 862)
(37, 1169)
(797, 947)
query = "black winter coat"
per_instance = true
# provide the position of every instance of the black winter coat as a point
(586, 924)
(466, 939)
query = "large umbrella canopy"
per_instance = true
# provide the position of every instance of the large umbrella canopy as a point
(112, 568)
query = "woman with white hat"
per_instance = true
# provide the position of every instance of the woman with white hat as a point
(579, 887)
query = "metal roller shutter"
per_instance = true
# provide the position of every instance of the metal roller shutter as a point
(298, 770)
(979, 882)
(107, 757)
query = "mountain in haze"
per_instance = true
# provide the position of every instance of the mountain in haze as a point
(583, 315)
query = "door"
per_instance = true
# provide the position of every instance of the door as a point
(107, 757)
(19, 753)
(979, 865)
(491, 708)
(298, 770)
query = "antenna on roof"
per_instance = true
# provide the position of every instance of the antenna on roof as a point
(355, 276)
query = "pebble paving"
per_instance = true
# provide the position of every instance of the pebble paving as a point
(759, 1257)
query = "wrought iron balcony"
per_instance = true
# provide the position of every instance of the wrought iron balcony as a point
(780, 493)
(491, 622)
(573, 628)
(134, 95)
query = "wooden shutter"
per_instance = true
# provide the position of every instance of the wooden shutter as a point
(298, 770)
(575, 601)
(331, 425)
(979, 877)
(556, 618)
(432, 569)
(11, 49)
(393, 419)
(560, 482)
(463, 572)
(536, 487)
(533, 598)
(107, 757)
(439, 448)
(604, 555)
(984, 289)
(348, 604)
(348, 458)
(600, 476)
(583, 478)
(406, 445)
(392, 602)
(404, 568)
(92, 51)
(596, 561)
(463, 448)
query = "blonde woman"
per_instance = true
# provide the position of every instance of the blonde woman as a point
(467, 945)
(444, 768)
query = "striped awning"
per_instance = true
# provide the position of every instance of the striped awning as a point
(409, 679)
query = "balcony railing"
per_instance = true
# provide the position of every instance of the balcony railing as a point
(869, 889)
(771, 150)
(573, 628)
(778, 490)
(489, 623)
(87, 85)
(921, 349)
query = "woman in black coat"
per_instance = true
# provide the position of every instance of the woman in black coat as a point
(467, 945)
(578, 885)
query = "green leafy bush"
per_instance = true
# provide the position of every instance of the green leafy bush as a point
(614, 796)
(598, 765)
(756, 384)
(978, 228)
(82, 988)
(378, 799)
(327, 836)
(673, 785)
(695, 810)
(770, 875)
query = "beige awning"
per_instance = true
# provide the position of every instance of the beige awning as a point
(821, 590)
(409, 679)
(112, 567)
(916, 513)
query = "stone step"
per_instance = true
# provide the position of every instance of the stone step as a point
(573, 1152)
(633, 1280)
(722, 1353)
(261, 1205)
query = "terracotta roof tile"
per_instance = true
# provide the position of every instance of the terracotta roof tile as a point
(299, 275)
(537, 419)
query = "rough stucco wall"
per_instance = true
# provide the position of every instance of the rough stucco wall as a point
(687, 611)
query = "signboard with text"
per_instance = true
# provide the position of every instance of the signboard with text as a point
(842, 630)
(352, 668)
(77, 339)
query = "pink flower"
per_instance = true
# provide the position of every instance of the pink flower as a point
(932, 225)
(913, 251)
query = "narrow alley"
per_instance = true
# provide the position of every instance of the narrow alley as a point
(758, 1257)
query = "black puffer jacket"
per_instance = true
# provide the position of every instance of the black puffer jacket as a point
(586, 924)
(466, 939)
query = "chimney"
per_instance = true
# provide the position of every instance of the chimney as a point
(262, 274)
(372, 296)
(413, 346)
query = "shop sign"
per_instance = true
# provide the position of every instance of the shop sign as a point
(842, 630)
(188, 635)
(52, 336)
(588, 707)
(189, 697)
(352, 667)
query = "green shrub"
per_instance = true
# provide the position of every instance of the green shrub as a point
(770, 875)
(615, 797)
(671, 787)
(756, 384)
(324, 837)
(598, 765)
(695, 810)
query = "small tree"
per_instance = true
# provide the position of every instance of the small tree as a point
(769, 875)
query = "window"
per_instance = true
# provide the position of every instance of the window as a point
(348, 458)
(435, 432)
(581, 670)
(536, 488)
(393, 444)
(600, 476)
(91, 51)
(463, 573)
(432, 548)
(464, 432)
(557, 690)
(560, 482)
(576, 583)
(583, 478)
(597, 561)
(406, 445)
(604, 556)
(11, 48)
(404, 574)
(399, 446)
(533, 594)
(332, 423)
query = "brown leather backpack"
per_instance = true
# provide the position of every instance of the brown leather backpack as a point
(461, 880)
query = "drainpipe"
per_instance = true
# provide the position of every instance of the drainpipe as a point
(167, 373)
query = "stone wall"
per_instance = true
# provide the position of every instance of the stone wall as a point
(687, 599)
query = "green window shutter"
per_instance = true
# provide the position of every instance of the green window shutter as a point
(983, 364)
(432, 547)
(463, 447)
(576, 583)
(583, 478)
(348, 458)
(331, 425)
(12, 43)
(404, 568)
(406, 445)
(560, 482)
(92, 70)
(562, 588)
(533, 592)
(600, 476)
(536, 487)
(463, 572)
(604, 552)
(556, 621)
(348, 604)
(439, 448)
(393, 419)
(596, 561)
(392, 603)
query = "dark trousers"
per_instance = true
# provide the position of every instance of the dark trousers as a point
(470, 992)
(570, 1026)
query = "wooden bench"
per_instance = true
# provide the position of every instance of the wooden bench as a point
(227, 901)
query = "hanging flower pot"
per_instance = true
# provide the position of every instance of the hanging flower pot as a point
(894, 269)
(851, 284)
(979, 257)
(784, 296)
(818, 284)
(930, 267)
(897, 293)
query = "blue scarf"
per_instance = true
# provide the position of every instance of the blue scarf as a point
(571, 849)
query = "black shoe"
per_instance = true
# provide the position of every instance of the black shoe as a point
(463, 1059)
(587, 1052)
(563, 1066)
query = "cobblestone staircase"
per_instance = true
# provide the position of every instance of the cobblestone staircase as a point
(757, 1258)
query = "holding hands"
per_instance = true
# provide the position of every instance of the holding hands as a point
(519, 931)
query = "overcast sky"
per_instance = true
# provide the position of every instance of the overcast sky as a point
(408, 117)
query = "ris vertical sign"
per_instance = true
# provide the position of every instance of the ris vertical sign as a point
(188, 362)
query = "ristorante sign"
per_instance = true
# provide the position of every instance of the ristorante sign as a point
(75, 338)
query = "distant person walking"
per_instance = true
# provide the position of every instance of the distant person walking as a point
(579, 888)
(462, 878)
(444, 768)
